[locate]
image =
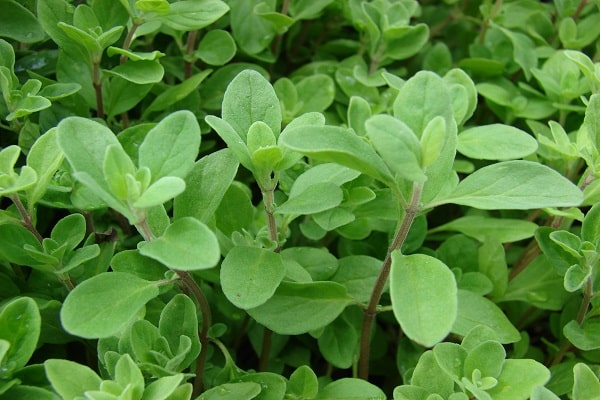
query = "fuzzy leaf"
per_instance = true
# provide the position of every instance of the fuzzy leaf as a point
(496, 142)
(20, 324)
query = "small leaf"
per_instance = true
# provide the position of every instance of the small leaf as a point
(139, 72)
(297, 308)
(160, 191)
(514, 185)
(217, 47)
(103, 305)
(576, 276)
(303, 382)
(190, 15)
(496, 142)
(423, 292)
(585, 337)
(232, 391)
(487, 358)
(186, 245)
(45, 156)
(250, 276)
(590, 229)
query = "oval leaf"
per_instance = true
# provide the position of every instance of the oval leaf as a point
(515, 185)
(186, 245)
(249, 275)
(103, 305)
(423, 292)
(297, 308)
(496, 142)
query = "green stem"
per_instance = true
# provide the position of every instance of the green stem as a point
(486, 23)
(371, 311)
(97, 82)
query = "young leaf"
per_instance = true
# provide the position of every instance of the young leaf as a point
(297, 308)
(206, 185)
(250, 276)
(103, 305)
(179, 318)
(160, 191)
(303, 383)
(496, 142)
(590, 228)
(488, 358)
(423, 292)
(44, 157)
(514, 185)
(186, 245)
(20, 324)
(171, 147)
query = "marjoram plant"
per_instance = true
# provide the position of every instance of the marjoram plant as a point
(299, 200)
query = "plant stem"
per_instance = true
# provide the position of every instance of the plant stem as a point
(486, 23)
(97, 82)
(410, 213)
(27, 221)
(191, 42)
(194, 289)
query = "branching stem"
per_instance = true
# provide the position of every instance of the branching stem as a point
(410, 213)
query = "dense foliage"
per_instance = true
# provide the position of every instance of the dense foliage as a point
(299, 199)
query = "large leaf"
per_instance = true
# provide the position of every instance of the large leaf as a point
(103, 305)
(496, 142)
(474, 310)
(250, 275)
(206, 185)
(20, 324)
(423, 292)
(297, 308)
(171, 147)
(188, 15)
(339, 145)
(70, 379)
(479, 227)
(518, 379)
(186, 245)
(514, 185)
(250, 98)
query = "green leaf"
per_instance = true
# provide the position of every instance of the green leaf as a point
(307, 9)
(139, 72)
(128, 375)
(350, 389)
(14, 239)
(69, 379)
(118, 170)
(250, 98)
(315, 93)
(217, 47)
(451, 359)
(173, 94)
(160, 191)
(339, 145)
(518, 379)
(423, 293)
(474, 310)
(45, 156)
(303, 383)
(496, 142)
(316, 198)
(190, 15)
(273, 385)
(170, 148)
(179, 318)
(234, 141)
(358, 274)
(319, 263)
(429, 375)
(505, 230)
(398, 145)
(232, 391)
(103, 305)
(163, 387)
(297, 308)
(19, 24)
(250, 275)
(488, 358)
(20, 324)
(339, 343)
(70, 230)
(186, 245)
(590, 228)
(576, 276)
(514, 185)
(585, 337)
(206, 185)
(586, 386)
